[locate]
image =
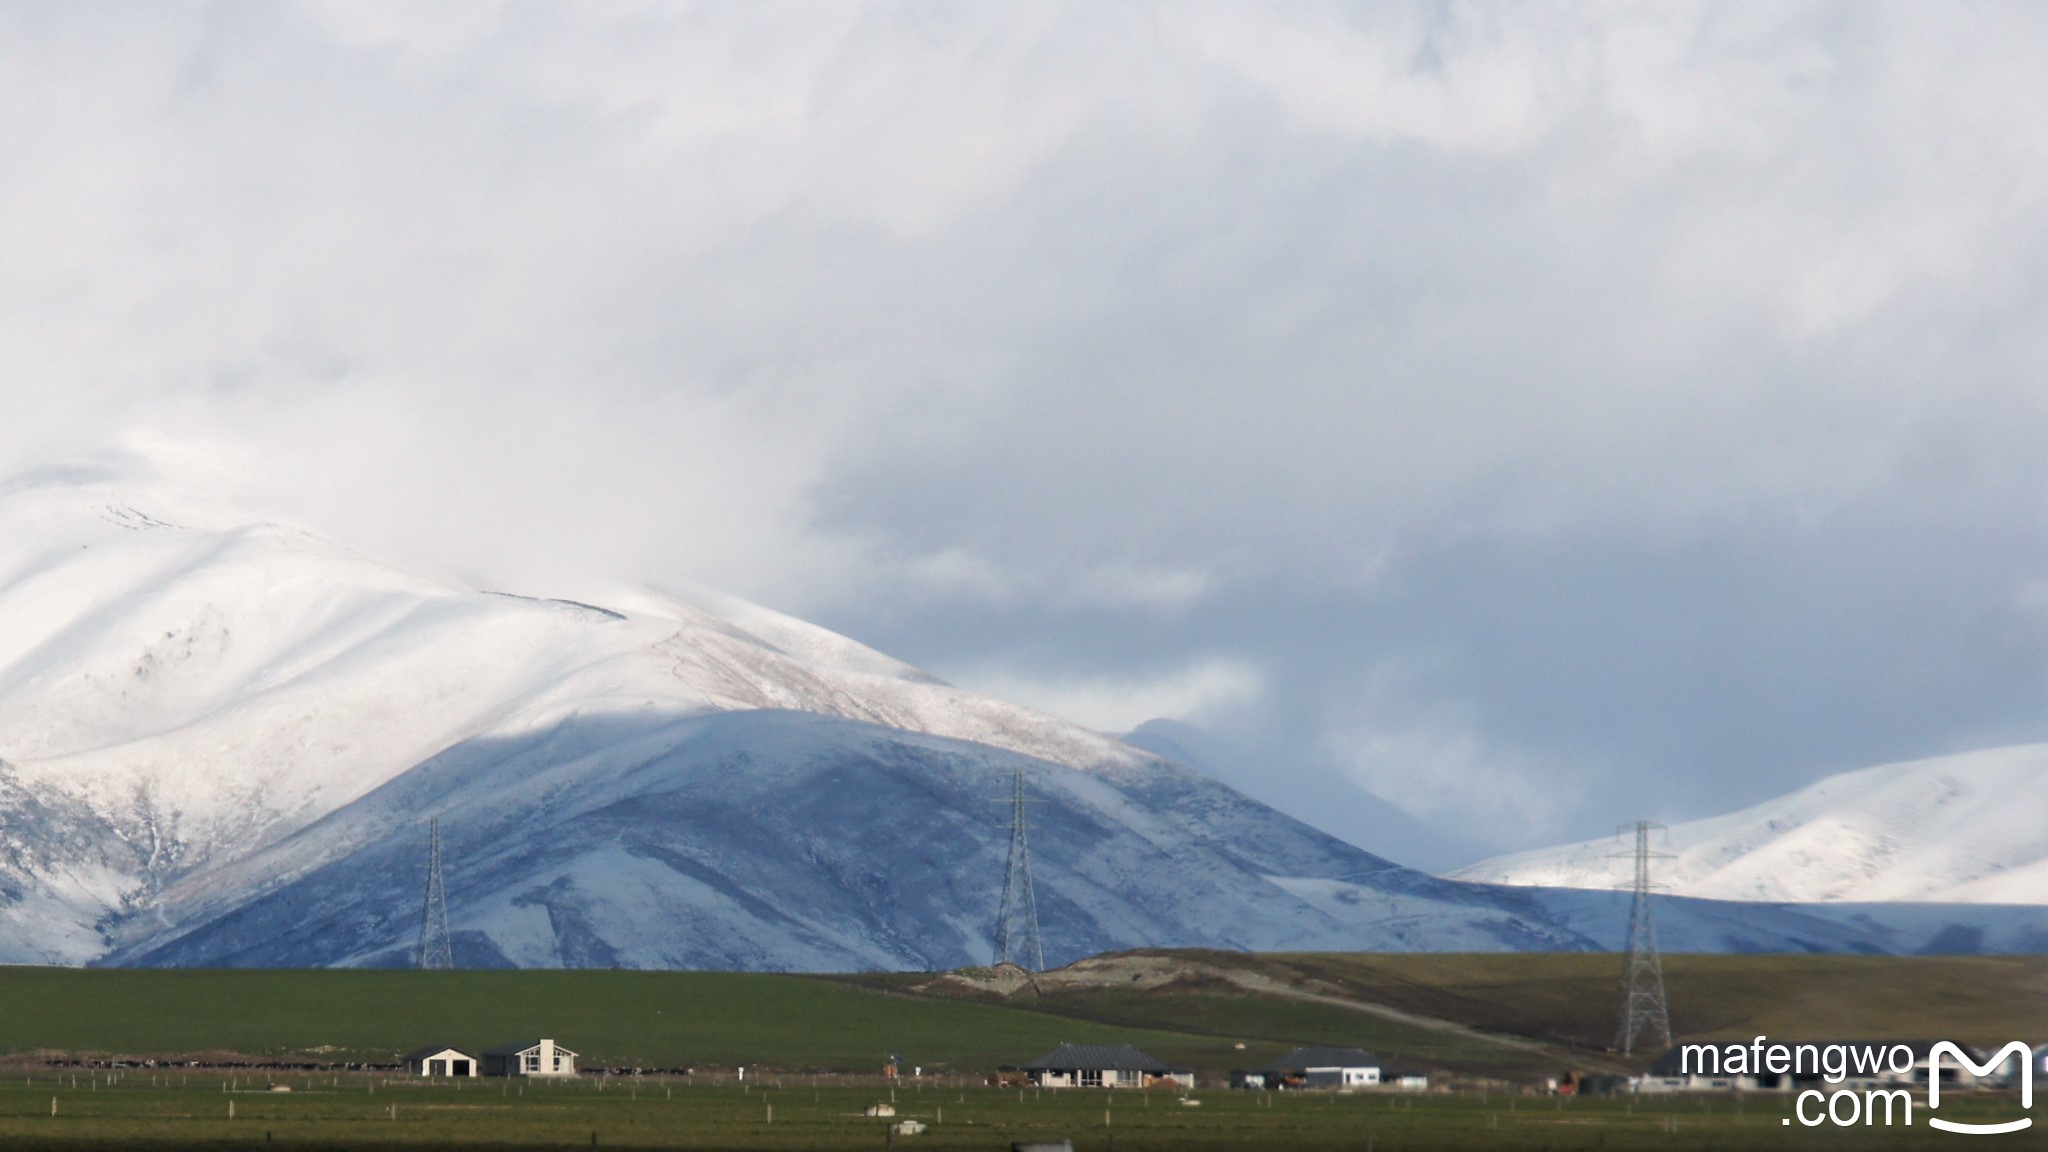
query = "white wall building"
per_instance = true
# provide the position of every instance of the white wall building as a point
(529, 1058)
(1338, 1069)
(441, 1061)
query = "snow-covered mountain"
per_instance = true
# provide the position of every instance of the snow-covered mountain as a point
(220, 739)
(188, 686)
(1970, 828)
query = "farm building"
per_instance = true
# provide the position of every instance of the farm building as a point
(440, 1060)
(1103, 1066)
(529, 1058)
(1342, 1069)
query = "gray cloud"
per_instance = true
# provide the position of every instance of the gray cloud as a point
(1540, 415)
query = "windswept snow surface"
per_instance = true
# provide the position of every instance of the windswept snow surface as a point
(1963, 829)
(180, 687)
(220, 739)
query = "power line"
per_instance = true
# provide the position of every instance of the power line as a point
(1645, 1015)
(436, 950)
(1017, 916)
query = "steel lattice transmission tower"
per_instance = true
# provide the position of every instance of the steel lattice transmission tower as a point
(1017, 939)
(1644, 1013)
(436, 950)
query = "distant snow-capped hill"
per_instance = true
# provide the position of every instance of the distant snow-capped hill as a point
(1970, 828)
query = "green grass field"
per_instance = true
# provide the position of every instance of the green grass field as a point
(1515, 1017)
(623, 1019)
(180, 1110)
(1562, 1003)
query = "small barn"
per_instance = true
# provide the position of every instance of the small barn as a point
(529, 1058)
(1103, 1066)
(440, 1060)
(1341, 1069)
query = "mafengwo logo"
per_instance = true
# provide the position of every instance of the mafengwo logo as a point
(1885, 1074)
(2020, 1052)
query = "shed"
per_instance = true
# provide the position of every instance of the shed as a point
(1103, 1066)
(1343, 1069)
(529, 1058)
(440, 1060)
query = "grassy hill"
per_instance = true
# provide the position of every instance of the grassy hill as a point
(1513, 1016)
(1570, 999)
(1520, 1017)
(655, 1019)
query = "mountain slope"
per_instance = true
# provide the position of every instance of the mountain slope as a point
(220, 739)
(783, 840)
(774, 840)
(180, 686)
(1962, 829)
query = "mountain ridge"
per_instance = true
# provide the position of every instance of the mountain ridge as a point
(220, 739)
(1963, 828)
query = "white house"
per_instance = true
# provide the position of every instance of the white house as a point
(529, 1058)
(1342, 1069)
(440, 1061)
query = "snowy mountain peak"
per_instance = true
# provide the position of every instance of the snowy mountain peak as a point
(1964, 828)
(219, 737)
(206, 683)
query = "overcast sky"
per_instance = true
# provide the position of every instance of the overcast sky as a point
(1539, 416)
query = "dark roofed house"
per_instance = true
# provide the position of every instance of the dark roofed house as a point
(1103, 1066)
(529, 1058)
(1345, 1069)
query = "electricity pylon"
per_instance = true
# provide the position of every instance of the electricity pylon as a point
(1017, 940)
(435, 950)
(1644, 1013)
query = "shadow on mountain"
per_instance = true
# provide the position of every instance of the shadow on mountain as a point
(791, 841)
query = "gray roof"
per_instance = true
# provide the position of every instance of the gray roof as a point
(436, 1050)
(1302, 1059)
(1095, 1058)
